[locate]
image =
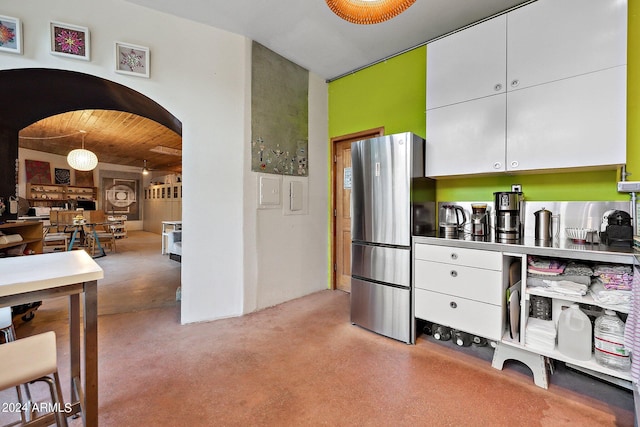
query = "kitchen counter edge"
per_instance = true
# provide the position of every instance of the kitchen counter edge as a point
(595, 252)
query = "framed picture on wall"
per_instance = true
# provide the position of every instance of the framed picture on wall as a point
(132, 59)
(69, 40)
(62, 176)
(10, 35)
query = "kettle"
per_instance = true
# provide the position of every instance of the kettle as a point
(450, 219)
(543, 225)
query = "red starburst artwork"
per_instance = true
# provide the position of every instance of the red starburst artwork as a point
(7, 35)
(69, 40)
(10, 35)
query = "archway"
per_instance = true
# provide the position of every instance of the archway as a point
(31, 94)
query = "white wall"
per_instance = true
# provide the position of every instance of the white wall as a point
(286, 255)
(202, 76)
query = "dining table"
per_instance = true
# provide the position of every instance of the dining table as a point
(77, 233)
(31, 278)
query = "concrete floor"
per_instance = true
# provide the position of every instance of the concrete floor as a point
(296, 364)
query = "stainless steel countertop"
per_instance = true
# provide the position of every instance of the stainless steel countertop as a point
(564, 248)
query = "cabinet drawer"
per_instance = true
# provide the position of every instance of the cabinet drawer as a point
(460, 256)
(474, 317)
(467, 282)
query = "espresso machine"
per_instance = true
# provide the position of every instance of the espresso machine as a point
(616, 229)
(508, 209)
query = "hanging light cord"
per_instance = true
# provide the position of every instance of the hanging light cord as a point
(52, 137)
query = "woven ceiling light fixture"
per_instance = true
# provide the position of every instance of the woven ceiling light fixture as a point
(81, 159)
(368, 11)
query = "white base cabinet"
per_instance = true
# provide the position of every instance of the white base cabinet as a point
(460, 288)
(465, 289)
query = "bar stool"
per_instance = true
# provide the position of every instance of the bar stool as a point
(32, 359)
(6, 324)
(9, 332)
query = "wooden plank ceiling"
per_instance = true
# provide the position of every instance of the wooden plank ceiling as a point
(115, 136)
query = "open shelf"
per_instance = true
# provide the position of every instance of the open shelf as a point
(586, 299)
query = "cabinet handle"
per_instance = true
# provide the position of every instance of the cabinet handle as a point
(454, 256)
(454, 273)
(515, 164)
(515, 83)
(497, 87)
(453, 304)
(497, 165)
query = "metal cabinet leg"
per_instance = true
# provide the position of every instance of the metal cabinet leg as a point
(536, 362)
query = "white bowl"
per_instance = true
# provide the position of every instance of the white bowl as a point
(578, 234)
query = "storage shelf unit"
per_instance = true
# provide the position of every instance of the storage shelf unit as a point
(31, 232)
(52, 195)
(162, 202)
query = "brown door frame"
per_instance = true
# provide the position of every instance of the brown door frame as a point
(365, 134)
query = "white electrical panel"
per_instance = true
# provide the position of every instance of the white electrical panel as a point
(269, 192)
(298, 193)
(295, 196)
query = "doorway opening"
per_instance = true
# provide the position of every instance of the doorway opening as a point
(341, 205)
(33, 96)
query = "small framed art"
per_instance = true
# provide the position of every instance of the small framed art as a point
(10, 35)
(132, 59)
(69, 40)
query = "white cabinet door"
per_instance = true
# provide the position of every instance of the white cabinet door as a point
(467, 65)
(550, 40)
(474, 284)
(575, 122)
(466, 138)
(459, 256)
(478, 318)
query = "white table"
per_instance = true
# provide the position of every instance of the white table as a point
(27, 279)
(168, 226)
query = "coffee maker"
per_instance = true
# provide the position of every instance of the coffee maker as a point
(479, 221)
(508, 208)
(616, 229)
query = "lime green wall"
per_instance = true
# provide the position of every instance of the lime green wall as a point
(392, 94)
(389, 94)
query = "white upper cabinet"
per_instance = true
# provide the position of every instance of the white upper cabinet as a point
(549, 40)
(570, 123)
(562, 100)
(467, 65)
(466, 138)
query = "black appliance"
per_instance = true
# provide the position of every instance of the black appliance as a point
(617, 229)
(87, 205)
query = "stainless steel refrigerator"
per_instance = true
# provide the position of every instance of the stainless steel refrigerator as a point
(390, 201)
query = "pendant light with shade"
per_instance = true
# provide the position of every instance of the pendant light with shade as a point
(81, 159)
(368, 12)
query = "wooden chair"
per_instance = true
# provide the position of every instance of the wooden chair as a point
(52, 242)
(105, 236)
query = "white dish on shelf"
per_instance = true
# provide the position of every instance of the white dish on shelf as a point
(578, 235)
